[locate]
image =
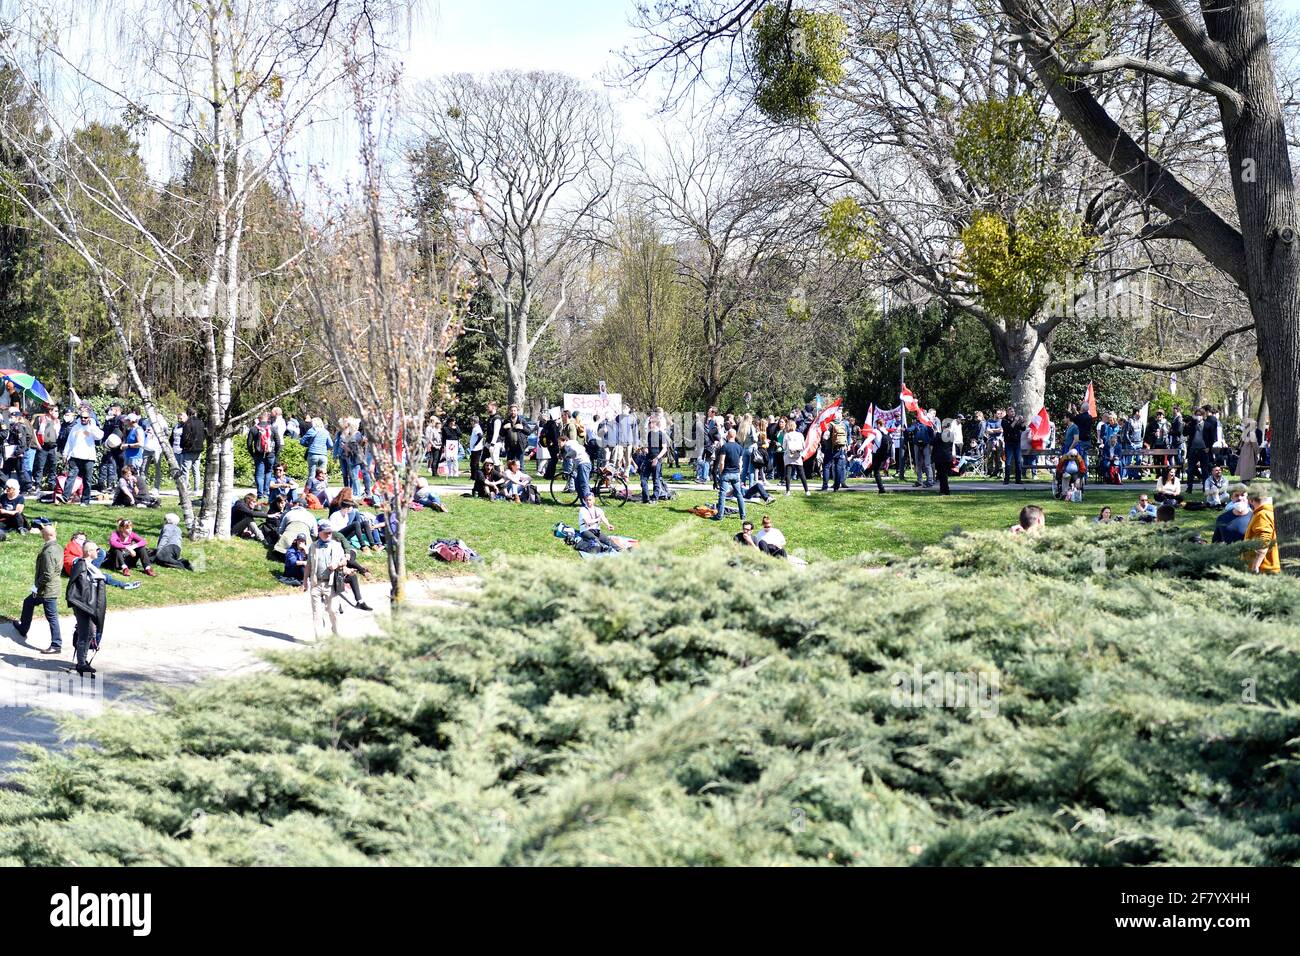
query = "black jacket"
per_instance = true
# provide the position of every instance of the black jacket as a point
(193, 435)
(87, 593)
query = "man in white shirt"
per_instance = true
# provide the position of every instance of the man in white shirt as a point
(577, 465)
(79, 450)
(591, 519)
(1216, 487)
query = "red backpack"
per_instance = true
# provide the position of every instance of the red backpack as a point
(265, 442)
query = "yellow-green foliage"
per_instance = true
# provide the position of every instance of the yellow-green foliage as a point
(796, 55)
(848, 230)
(1000, 143)
(1018, 265)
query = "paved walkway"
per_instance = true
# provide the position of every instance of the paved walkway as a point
(146, 646)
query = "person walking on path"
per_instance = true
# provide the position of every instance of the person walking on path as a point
(45, 591)
(87, 595)
(325, 558)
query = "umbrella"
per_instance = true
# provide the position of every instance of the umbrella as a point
(27, 383)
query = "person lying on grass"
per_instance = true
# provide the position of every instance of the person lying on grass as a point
(426, 497)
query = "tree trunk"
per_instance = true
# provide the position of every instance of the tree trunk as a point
(517, 374)
(226, 488)
(1265, 191)
(1024, 355)
(207, 524)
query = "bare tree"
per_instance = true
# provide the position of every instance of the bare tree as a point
(534, 159)
(227, 84)
(389, 304)
(736, 224)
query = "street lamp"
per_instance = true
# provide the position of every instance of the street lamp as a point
(73, 342)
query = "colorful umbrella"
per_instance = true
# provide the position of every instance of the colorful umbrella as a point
(27, 383)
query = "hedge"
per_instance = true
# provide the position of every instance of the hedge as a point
(731, 710)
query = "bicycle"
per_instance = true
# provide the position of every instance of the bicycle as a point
(605, 485)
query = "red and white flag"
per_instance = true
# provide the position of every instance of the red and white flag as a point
(1090, 401)
(814, 437)
(908, 399)
(869, 433)
(1040, 426)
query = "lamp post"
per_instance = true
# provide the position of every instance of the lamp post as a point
(904, 447)
(73, 342)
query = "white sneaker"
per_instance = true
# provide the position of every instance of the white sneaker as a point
(807, 494)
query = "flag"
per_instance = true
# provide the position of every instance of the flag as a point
(814, 437)
(1142, 416)
(1040, 426)
(908, 399)
(869, 436)
(889, 418)
(1090, 401)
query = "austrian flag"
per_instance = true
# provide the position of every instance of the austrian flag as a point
(814, 437)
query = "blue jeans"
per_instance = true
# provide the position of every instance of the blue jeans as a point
(746, 467)
(189, 462)
(29, 459)
(652, 481)
(45, 467)
(83, 468)
(263, 470)
(51, 608)
(108, 469)
(729, 481)
(582, 479)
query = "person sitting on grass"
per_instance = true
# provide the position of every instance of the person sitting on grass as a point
(490, 485)
(353, 528)
(1104, 516)
(758, 489)
(295, 559)
(130, 493)
(168, 553)
(127, 550)
(1031, 519)
(75, 548)
(282, 487)
(1144, 510)
(426, 497)
(1216, 488)
(246, 519)
(1169, 489)
(12, 507)
(319, 487)
(770, 540)
(1165, 513)
(591, 520)
(516, 481)
(1230, 526)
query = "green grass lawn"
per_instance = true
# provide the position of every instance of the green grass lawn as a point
(825, 526)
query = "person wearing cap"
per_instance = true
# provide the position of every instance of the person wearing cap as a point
(325, 556)
(12, 506)
(79, 450)
(132, 443)
(295, 559)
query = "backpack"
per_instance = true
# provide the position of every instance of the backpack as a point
(264, 441)
(839, 436)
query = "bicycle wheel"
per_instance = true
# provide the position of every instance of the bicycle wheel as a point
(568, 498)
(613, 490)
